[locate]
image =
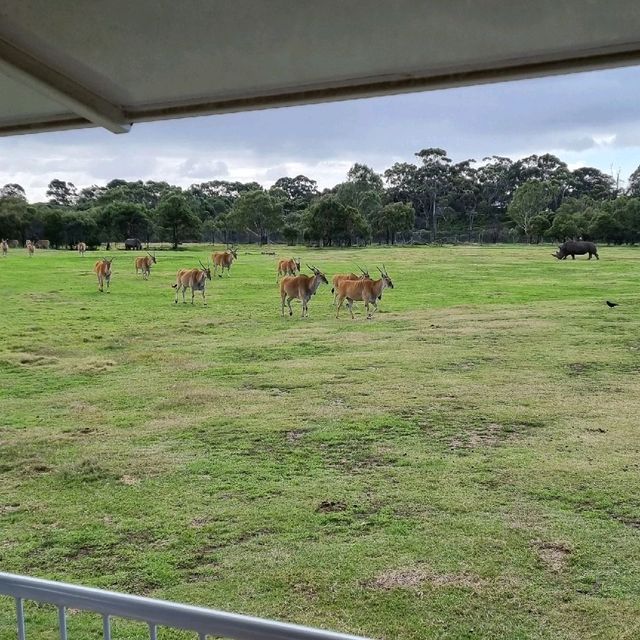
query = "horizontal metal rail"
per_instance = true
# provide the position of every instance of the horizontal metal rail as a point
(156, 613)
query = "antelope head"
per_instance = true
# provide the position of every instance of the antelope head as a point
(318, 274)
(153, 257)
(206, 270)
(385, 277)
(297, 263)
(365, 273)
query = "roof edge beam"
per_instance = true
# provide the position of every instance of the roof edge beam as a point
(355, 88)
(27, 69)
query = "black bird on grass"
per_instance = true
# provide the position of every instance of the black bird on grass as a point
(611, 304)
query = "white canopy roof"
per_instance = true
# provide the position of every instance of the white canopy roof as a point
(116, 62)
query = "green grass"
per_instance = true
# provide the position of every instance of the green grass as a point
(463, 466)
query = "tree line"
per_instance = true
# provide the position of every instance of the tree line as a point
(430, 200)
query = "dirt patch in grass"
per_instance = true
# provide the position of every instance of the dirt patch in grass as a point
(198, 523)
(583, 368)
(9, 508)
(634, 523)
(32, 467)
(93, 365)
(554, 555)
(86, 471)
(25, 359)
(294, 436)
(329, 506)
(416, 578)
(129, 480)
(492, 434)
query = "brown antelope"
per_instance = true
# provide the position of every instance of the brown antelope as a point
(224, 260)
(288, 268)
(369, 291)
(340, 277)
(5, 247)
(144, 265)
(103, 271)
(195, 279)
(31, 248)
(301, 288)
(82, 247)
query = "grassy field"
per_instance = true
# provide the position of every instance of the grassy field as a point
(466, 465)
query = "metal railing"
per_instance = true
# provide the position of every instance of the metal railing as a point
(156, 613)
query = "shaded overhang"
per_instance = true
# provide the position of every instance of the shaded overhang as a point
(112, 63)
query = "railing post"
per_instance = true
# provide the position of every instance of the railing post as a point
(106, 628)
(62, 623)
(153, 633)
(20, 615)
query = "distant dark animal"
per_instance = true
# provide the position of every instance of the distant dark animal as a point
(612, 304)
(42, 244)
(5, 247)
(132, 243)
(575, 248)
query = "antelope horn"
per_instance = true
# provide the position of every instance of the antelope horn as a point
(200, 261)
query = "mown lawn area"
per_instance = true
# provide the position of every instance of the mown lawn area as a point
(465, 465)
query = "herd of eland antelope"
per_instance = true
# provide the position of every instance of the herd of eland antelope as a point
(294, 285)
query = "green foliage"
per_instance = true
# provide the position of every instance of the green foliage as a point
(529, 200)
(564, 227)
(54, 226)
(291, 234)
(177, 220)
(539, 226)
(607, 228)
(490, 200)
(330, 223)
(258, 212)
(13, 212)
(61, 193)
(126, 220)
(392, 219)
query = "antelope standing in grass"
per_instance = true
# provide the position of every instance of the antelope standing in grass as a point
(369, 291)
(82, 247)
(144, 265)
(288, 268)
(5, 247)
(341, 277)
(103, 271)
(301, 288)
(224, 260)
(31, 248)
(194, 279)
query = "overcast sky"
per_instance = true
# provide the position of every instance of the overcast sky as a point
(586, 119)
